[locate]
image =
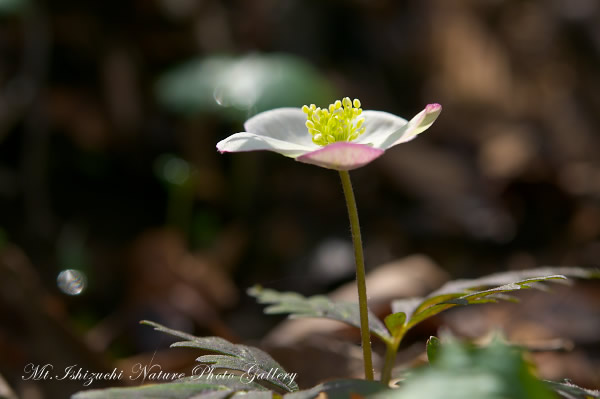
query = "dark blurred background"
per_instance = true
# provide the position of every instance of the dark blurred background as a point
(115, 205)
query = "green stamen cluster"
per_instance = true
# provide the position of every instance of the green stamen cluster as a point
(337, 123)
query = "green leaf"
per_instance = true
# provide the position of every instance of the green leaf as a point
(493, 294)
(251, 361)
(340, 389)
(463, 371)
(234, 382)
(465, 292)
(242, 86)
(406, 305)
(297, 306)
(436, 304)
(515, 275)
(433, 349)
(569, 390)
(395, 323)
(215, 386)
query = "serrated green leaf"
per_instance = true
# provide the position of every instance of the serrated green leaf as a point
(433, 349)
(436, 304)
(503, 278)
(569, 390)
(497, 293)
(462, 292)
(340, 389)
(297, 306)
(213, 386)
(256, 364)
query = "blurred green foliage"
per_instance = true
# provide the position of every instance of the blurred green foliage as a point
(461, 370)
(241, 86)
(12, 6)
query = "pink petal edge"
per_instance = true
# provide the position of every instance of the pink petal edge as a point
(432, 108)
(342, 156)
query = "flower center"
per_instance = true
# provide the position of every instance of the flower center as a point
(339, 122)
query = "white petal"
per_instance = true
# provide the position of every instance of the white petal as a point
(389, 129)
(245, 141)
(285, 124)
(418, 124)
(378, 127)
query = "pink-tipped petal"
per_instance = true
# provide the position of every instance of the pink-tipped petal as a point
(421, 122)
(342, 156)
(378, 127)
(432, 111)
(398, 132)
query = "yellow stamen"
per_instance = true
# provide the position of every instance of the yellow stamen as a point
(338, 122)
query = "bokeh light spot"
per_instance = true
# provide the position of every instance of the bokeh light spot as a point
(71, 281)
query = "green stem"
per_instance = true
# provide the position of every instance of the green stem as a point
(391, 350)
(390, 357)
(360, 273)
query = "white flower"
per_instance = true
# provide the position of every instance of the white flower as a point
(340, 137)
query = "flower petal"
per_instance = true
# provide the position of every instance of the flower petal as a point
(398, 133)
(378, 126)
(280, 130)
(245, 141)
(285, 124)
(342, 156)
